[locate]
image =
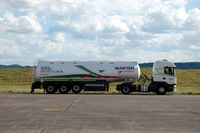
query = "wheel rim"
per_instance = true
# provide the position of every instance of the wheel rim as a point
(63, 88)
(76, 88)
(161, 89)
(50, 88)
(126, 90)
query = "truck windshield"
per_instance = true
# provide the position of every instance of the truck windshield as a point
(169, 70)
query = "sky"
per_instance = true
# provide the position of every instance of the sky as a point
(99, 30)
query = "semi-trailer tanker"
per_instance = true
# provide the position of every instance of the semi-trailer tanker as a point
(75, 76)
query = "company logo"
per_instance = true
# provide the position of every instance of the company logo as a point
(48, 69)
(124, 69)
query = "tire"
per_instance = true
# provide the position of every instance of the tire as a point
(50, 89)
(161, 90)
(64, 89)
(126, 89)
(76, 88)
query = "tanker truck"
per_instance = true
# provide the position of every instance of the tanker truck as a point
(77, 76)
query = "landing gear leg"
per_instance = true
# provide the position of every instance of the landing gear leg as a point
(32, 89)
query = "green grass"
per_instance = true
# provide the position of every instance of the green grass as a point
(15, 76)
(17, 89)
(19, 81)
(187, 89)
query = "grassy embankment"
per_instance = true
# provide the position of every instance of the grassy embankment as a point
(19, 81)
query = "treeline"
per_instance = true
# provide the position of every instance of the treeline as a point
(179, 65)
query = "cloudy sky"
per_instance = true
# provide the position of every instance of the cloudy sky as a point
(126, 30)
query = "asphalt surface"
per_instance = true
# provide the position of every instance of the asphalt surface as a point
(93, 113)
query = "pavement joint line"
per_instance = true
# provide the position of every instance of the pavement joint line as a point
(56, 116)
(195, 113)
(190, 111)
(43, 130)
(75, 100)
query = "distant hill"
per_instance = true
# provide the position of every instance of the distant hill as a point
(146, 65)
(179, 65)
(188, 65)
(14, 66)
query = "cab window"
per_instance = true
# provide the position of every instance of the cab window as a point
(169, 70)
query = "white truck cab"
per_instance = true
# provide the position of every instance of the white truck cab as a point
(163, 80)
(164, 71)
(163, 77)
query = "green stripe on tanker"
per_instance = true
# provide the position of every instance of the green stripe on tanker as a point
(87, 70)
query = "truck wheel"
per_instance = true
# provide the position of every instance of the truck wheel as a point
(77, 88)
(126, 89)
(161, 90)
(50, 89)
(63, 89)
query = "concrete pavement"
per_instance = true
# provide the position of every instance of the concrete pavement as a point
(94, 113)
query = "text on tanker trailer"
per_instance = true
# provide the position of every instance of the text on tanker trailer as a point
(63, 76)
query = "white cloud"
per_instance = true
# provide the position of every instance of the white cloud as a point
(22, 24)
(193, 20)
(23, 5)
(50, 47)
(194, 47)
(175, 3)
(100, 30)
(9, 47)
(58, 37)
